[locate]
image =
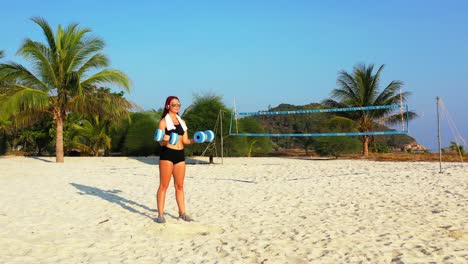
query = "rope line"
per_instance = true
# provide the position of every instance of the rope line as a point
(454, 130)
(331, 110)
(371, 133)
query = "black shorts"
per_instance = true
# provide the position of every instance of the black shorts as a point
(173, 155)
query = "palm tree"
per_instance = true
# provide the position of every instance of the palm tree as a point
(91, 136)
(4, 124)
(454, 147)
(361, 88)
(2, 54)
(65, 72)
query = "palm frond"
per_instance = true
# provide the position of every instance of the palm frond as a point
(391, 94)
(397, 118)
(347, 89)
(23, 99)
(82, 49)
(95, 62)
(13, 71)
(47, 30)
(71, 36)
(376, 79)
(91, 135)
(101, 102)
(108, 76)
(42, 59)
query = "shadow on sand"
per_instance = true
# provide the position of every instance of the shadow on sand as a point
(311, 158)
(44, 159)
(111, 196)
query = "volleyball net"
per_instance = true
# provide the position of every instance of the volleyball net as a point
(385, 120)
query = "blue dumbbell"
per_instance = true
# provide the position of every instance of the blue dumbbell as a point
(203, 136)
(159, 136)
(199, 137)
(209, 135)
(174, 138)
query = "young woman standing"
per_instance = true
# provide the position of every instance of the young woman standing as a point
(172, 158)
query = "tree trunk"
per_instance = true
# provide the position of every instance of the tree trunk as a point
(365, 146)
(3, 144)
(59, 139)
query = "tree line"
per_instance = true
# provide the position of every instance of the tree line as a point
(94, 135)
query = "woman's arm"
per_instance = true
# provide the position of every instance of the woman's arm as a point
(186, 140)
(162, 126)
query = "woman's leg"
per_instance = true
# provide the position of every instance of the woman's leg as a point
(179, 177)
(165, 173)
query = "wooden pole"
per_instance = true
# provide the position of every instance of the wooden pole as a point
(221, 134)
(438, 136)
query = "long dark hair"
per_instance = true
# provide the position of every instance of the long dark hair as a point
(166, 105)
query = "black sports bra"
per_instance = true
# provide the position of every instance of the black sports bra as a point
(178, 129)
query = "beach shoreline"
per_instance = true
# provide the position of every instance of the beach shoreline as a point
(247, 210)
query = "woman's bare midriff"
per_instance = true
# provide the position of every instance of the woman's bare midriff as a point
(177, 146)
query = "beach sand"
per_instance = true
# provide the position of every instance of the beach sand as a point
(247, 210)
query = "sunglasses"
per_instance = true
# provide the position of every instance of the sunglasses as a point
(175, 104)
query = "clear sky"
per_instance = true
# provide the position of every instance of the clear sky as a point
(260, 53)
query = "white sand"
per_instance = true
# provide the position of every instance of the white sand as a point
(248, 210)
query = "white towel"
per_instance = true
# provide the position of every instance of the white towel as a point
(170, 125)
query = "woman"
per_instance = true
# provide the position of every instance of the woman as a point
(172, 158)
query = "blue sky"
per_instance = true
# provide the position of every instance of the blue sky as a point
(262, 53)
